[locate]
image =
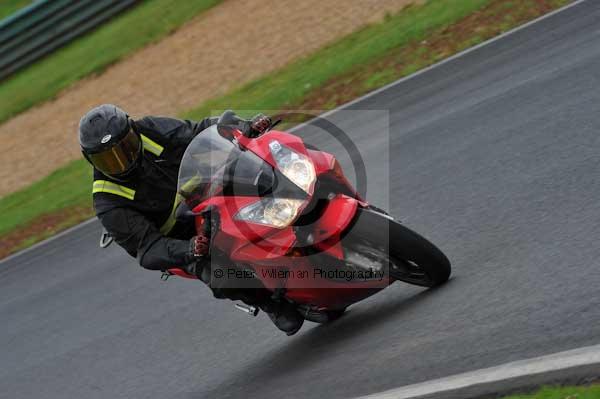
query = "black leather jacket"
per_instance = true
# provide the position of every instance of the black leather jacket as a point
(139, 213)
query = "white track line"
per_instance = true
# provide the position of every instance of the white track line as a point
(348, 104)
(48, 240)
(546, 364)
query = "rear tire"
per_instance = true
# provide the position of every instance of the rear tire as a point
(411, 257)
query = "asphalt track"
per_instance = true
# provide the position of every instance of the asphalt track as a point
(495, 156)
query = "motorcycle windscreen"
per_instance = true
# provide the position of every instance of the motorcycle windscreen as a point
(214, 164)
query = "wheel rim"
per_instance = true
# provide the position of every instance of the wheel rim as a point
(365, 256)
(410, 272)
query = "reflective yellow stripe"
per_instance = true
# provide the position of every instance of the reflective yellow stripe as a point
(152, 146)
(188, 187)
(103, 186)
(168, 225)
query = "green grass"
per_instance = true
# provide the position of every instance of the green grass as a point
(143, 24)
(66, 187)
(8, 7)
(361, 51)
(286, 87)
(591, 392)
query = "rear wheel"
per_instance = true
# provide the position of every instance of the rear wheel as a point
(376, 240)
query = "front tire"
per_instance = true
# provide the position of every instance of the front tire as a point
(408, 256)
(427, 266)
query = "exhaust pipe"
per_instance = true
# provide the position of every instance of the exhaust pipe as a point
(250, 310)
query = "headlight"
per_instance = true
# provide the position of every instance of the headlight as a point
(296, 167)
(276, 212)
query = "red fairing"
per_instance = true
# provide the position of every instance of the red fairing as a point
(271, 251)
(323, 161)
(247, 242)
(335, 219)
(182, 273)
(272, 247)
(326, 164)
(260, 145)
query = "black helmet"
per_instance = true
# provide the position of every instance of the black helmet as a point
(109, 142)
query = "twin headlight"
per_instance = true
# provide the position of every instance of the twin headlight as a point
(296, 167)
(281, 212)
(276, 212)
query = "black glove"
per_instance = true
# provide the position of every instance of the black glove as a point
(199, 246)
(259, 125)
(254, 127)
(197, 258)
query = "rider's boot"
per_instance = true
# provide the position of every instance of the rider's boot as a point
(283, 314)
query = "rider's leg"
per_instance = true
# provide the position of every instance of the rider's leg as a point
(243, 287)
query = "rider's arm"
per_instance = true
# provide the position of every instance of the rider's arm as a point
(197, 127)
(141, 239)
(177, 131)
(190, 129)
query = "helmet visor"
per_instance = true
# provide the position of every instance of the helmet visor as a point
(120, 158)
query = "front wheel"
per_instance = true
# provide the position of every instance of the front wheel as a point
(377, 239)
(415, 260)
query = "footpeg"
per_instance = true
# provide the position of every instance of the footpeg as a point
(250, 310)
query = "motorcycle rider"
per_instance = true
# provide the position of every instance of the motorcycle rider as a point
(136, 164)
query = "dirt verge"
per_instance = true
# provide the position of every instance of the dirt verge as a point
(42, 228)
(230, 44)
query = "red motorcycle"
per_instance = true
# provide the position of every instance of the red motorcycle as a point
(284, 214)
